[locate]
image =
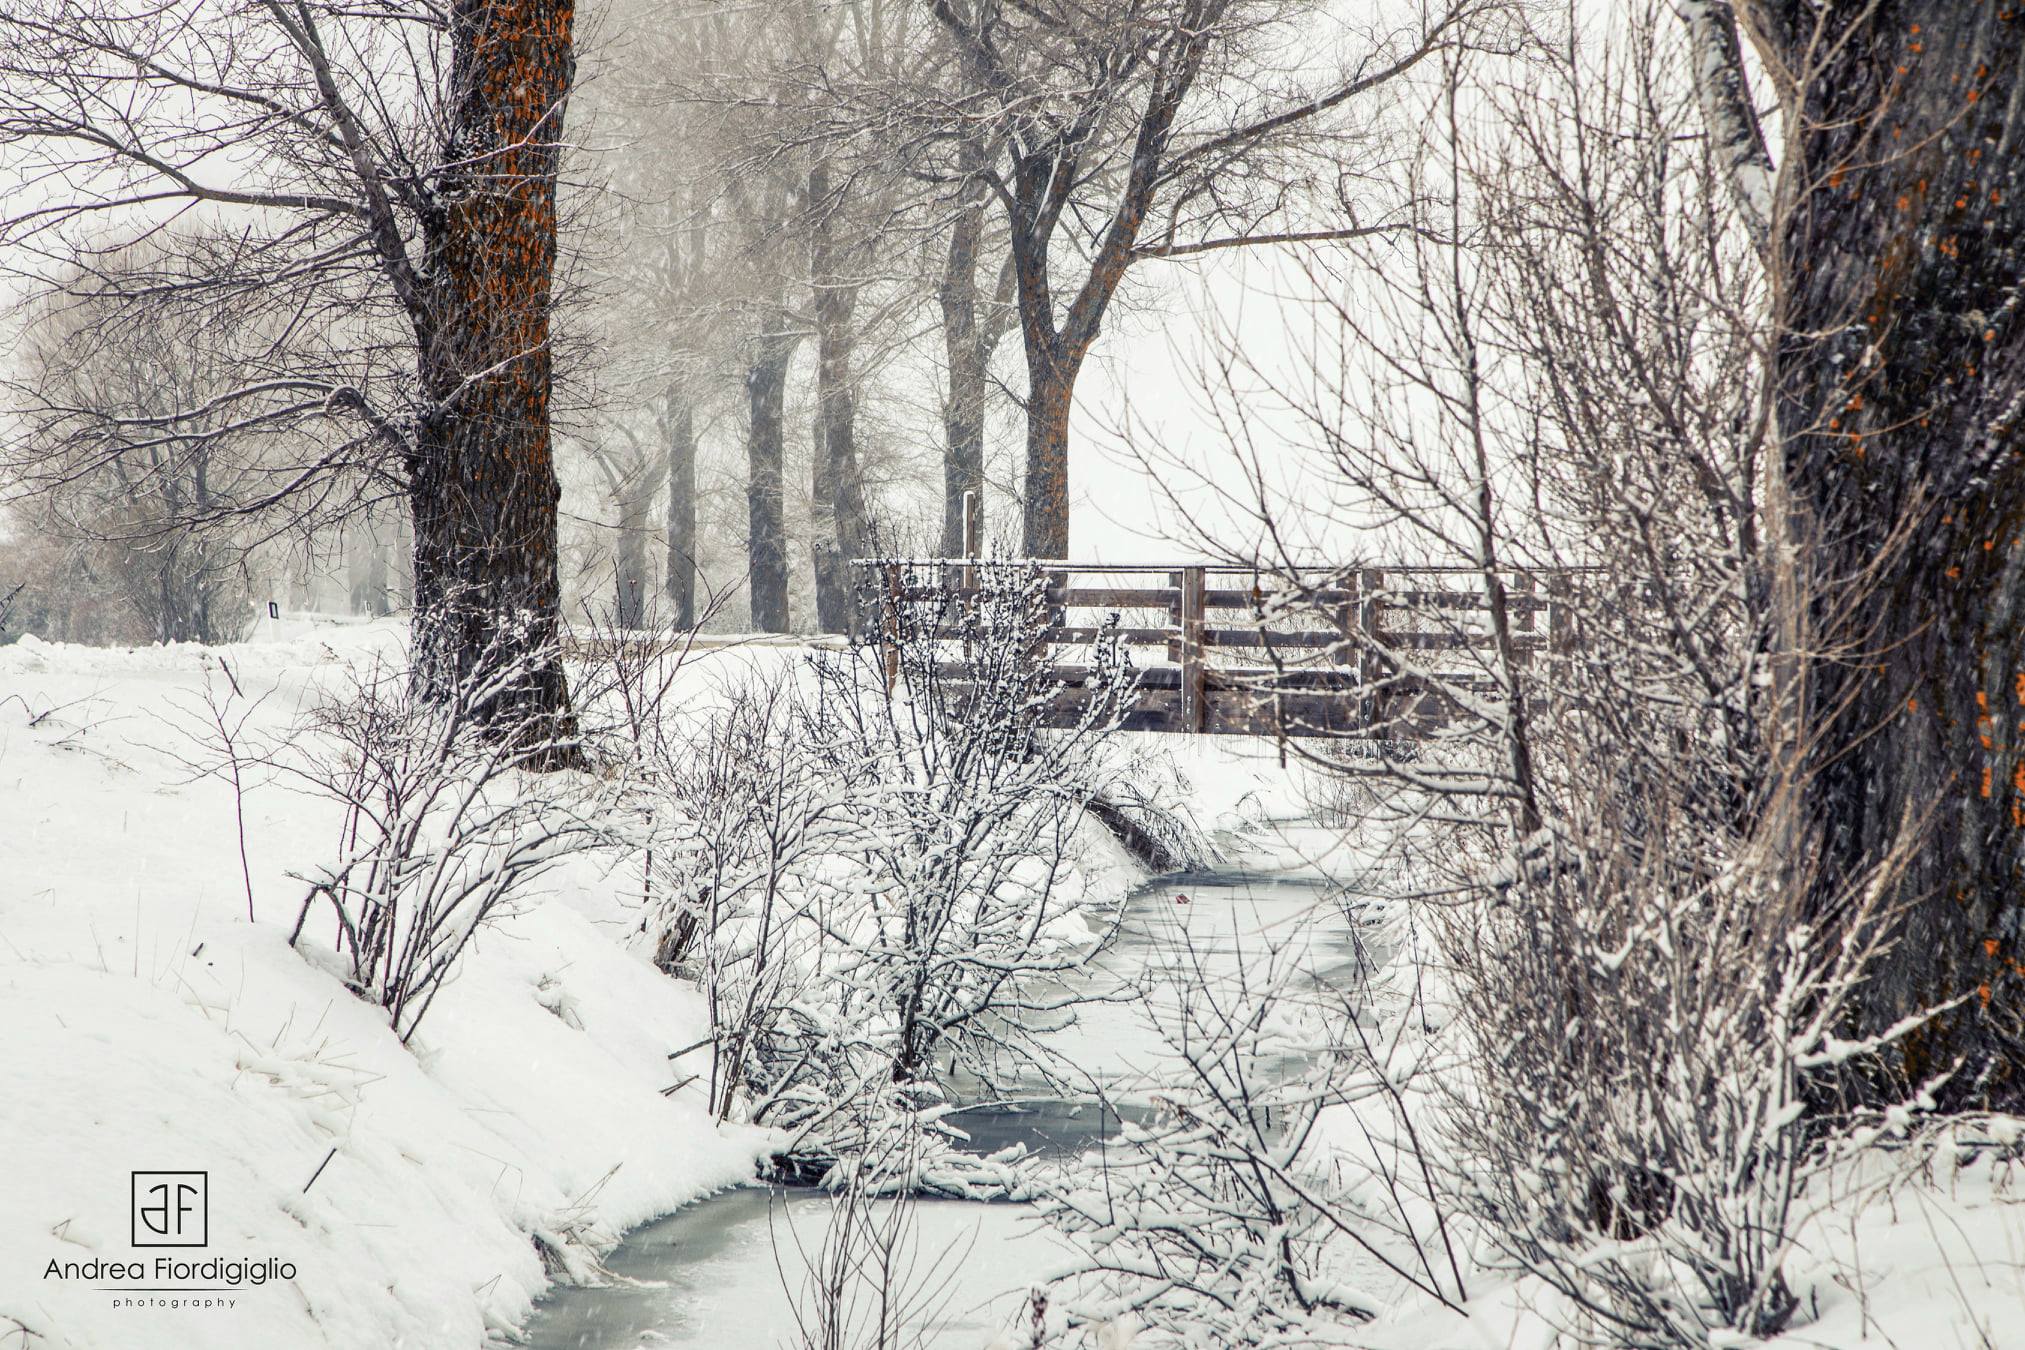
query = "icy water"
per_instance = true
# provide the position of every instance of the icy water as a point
(728, 1271)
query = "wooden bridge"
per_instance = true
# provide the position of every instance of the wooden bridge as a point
(1373, 652)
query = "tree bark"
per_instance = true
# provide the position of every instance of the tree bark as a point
(963, 411)
(1056, 348)
(483, 488)
(1729, 111)
(680, 424)
(766, 531)
(1902, 378)
(841, 527)
(1051, 384)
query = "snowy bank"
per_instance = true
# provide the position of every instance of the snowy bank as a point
(152, 1028)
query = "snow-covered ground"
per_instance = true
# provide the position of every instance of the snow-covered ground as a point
(149, 1027)
(1928, 1262)
(403, 1196)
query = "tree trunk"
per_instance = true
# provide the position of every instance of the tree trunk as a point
(356, 562)
(1051, 384)
(369, 568)
(840, 528)
(766, 531)
(379, 582)
(963, 412)
(826, 550)
(1902, 377)
(853, 517)
(1729, 112)
(630, 564)
(681, 570)
(482, 478)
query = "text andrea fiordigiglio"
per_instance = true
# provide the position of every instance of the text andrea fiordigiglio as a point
(216, 1270)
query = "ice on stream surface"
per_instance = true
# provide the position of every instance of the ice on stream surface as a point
(718, 1272)
(728, 1271)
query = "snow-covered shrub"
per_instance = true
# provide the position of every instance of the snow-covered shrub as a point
(1643, 1120)
(964, 806)
(868, 867)
(1232, 1217)
(440, 827)
(869, 1285)
(756, 843)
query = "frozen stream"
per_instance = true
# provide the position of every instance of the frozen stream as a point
(719, 1272)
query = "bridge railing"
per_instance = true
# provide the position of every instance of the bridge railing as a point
(1219, 648)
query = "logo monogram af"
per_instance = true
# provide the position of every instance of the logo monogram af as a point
(171, 1209)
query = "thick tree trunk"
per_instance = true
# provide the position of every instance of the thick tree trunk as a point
(680, 423)
(1051, 384)
(1902, 379)
(766, 530)
(963, 412)
(483, 486)
(842, 529)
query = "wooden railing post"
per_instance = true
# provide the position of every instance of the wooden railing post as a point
(1526, 623)
(1560, 628)
(889, 628)
(973, 534)
(968, 603)
(1370, 669)
(1194, 682)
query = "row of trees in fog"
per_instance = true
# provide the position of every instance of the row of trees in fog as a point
(849, 213)
(902, 194)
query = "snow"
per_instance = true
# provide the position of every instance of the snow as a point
(425, 1196)
(151, 1027)
(1935, 1262)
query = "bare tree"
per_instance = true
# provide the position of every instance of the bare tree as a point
(632, 471)
(393, 171)
(1127, 133)
(663, 255)
(153, 519)
(844, 211)
(975, 321)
